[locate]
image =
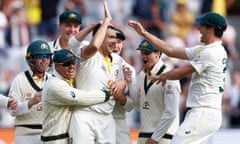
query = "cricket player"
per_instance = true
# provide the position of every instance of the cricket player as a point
(119, 111)
(26, 89)
(59, 98)
(98, 68)
(158, 105)
(208, 67)
(69, 25)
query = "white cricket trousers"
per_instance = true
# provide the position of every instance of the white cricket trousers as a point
(28, 139)
(89, 127)
(122, 131)
(198, 125)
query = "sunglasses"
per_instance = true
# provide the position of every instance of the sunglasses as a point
(42, 56)
(69, 63)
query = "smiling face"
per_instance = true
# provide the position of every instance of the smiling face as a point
(109, 42)
(69, 29)
(40, 63)
(118, 46)
(149, 59)
(66, 70)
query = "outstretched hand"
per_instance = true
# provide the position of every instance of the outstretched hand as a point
(137, 26)
(106, 11)
(159, 79)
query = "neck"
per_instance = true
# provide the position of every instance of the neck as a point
(212, 40)
(64, 43)
(40, 75)
(105, 54)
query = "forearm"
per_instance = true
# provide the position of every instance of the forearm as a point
(101, 33)
(164, 47)
(158, 43)
(99, 36)
(172, 75)
(84, 32)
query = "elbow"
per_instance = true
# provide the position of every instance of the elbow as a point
(94, 46)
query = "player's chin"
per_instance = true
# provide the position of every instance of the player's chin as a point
(71, 76)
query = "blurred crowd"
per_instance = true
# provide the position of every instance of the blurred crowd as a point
(23, 21)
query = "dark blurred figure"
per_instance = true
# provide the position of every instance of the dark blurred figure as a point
(48, 26)
(206, 6)
(233, 98)
(76, 5)
(149, 14)
(233, 7)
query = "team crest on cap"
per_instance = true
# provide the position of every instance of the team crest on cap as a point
(69, 55)
(145, 43)
(72, 16)
(43, 46)
(28, 54)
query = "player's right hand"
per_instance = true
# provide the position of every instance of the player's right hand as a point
(12, 104)
(35, 100)
(137, 26)
(106, 11)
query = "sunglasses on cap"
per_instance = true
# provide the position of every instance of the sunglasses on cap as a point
(42, 56)
(66, 64)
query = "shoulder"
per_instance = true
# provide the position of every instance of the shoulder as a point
(117, 58)
(54, 83)
(19, 76)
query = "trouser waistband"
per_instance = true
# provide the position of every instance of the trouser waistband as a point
(148, 135)
(30, 126)
(56, 137)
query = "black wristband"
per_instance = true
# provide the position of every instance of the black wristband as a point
(107, 95)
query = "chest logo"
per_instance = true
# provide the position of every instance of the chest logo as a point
(146, 105)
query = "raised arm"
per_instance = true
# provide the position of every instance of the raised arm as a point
(158, 43)
(99, 36)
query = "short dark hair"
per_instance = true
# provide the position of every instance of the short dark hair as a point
(98, 26)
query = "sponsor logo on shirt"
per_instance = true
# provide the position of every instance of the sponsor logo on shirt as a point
(28, 96)
(169, 89)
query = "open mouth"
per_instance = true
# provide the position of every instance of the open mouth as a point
(145, 61)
